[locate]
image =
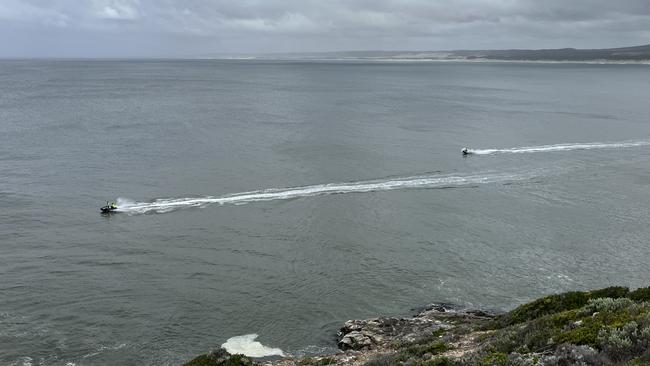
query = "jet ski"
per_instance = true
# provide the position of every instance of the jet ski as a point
(108, 208)
(466, 151)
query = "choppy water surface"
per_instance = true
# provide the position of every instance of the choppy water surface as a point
(283, 198)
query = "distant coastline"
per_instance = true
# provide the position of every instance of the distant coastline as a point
(623, 55)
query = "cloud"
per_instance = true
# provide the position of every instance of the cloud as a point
(117, 9)
(311, 25)
(24, 11)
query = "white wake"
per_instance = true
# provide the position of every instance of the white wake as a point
(560, 147)
(424, 181)
(247, 345)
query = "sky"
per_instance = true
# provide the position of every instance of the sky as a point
(206, 28)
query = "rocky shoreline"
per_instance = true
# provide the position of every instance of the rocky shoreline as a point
(607, 326)
(361, 341)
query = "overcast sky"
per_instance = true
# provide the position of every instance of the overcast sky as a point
(196, 28)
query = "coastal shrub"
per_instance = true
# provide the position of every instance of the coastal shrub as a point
(576, 327)
(640, 294)
(383, 360)
(544, 306)
(569, 354)
(201, 360)
(309, 361)
(418, 350)
(614, 292)
(212, 359)
(625, 343)
(441, 361)
(523, 359)
(494, 359)
(325, 361)
(606, 304)
(637, 362)
(616, 342)
(555, 304)
(583, 335)
(504, 340)
(438, 332)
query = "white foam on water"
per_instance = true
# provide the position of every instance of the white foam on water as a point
(247, 345)
(104, 348)
(561, 147)
(424, 181)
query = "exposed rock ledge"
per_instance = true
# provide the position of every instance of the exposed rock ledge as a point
(590, 328)
(385, 332)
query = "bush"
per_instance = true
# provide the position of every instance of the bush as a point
(607, 304)
(614, 292)
(419, 350)
(220, 358)
(309, 361)
(585, 335)
(625, 343)
(544, 306)
(495, 359)
(384, 360)
(640, 294)
(638, 362)
(442, 361)
(569, 354)
(557, 303)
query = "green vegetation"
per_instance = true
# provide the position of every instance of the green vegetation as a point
(589, 328)
(418, 353)
(440, 361)
(606, 326)
(641, 294)
(220, 357)
(419, 350)
(310, 361)
(556, 303)
(201, 360)
(494, 359)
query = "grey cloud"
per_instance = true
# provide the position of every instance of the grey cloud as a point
(186, 28)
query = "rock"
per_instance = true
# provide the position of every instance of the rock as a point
(480, 313)
(356, 340)
(438, 308)
(380, 332)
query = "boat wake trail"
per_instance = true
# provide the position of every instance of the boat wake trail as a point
(423, 181)
(560, 147)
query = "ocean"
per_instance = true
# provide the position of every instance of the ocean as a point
(282, 198)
